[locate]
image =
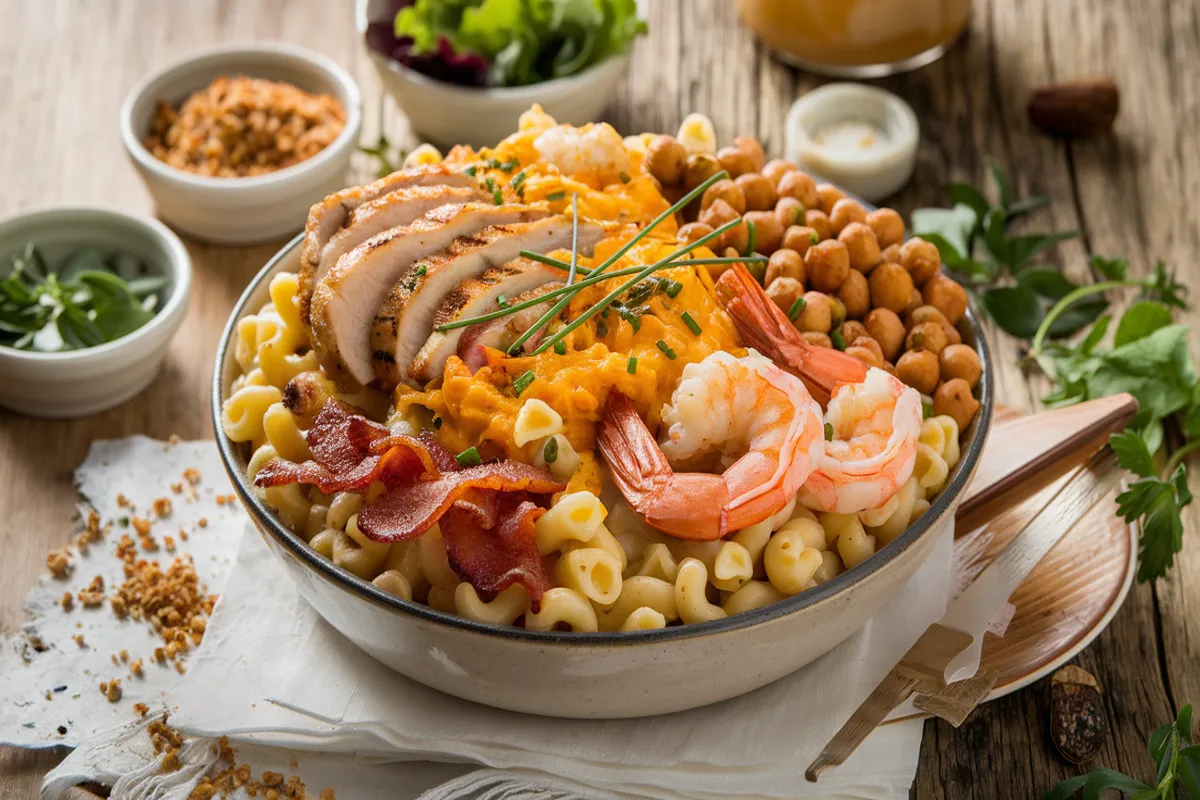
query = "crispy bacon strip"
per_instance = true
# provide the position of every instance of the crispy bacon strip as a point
(493, 558)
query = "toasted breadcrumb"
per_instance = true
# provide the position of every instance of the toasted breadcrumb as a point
(162, 506)
(169, 544)
(111, 689)
(141, 525)
(177, 488)
(191, 475)
(59, 562)
(136, 669)
(124, 654)
(93, 596)
(123, 501)
(202, 522)
(174, 439)
(68, 601)
(78, 637)
(141, 709)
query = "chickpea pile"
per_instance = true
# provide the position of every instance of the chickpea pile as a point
(845, 275)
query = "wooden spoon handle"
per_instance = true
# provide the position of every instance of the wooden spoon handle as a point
(1025, 455)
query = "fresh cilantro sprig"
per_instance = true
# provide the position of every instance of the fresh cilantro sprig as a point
(1177, 778)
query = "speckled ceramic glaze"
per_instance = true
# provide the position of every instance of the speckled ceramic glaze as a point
(599, 675)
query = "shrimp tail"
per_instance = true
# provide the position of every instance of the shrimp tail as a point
(765, 327)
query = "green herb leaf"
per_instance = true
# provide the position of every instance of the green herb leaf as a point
(1142, 319)
(839, 341)
(553, 196)
(1113, 269)
(1132, 453)
(522, 381)
(691, 323)
(953, 226)
(1157, 370)
(667, 351)
(1050, 286)
(964, 194)
(829, 431)
(550, 451)
(1025, 205)
(469, 458)
(624, 176)
(631, 367)
(797, 308)
(1015, 309)
(381, 152)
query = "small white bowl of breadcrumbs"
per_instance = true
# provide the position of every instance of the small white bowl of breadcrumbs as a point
(235, 144)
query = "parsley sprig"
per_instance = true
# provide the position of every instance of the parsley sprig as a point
(1178, 775)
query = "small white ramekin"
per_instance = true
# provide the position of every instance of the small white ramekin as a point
(447, 115)
(239, 211)
(81, 382)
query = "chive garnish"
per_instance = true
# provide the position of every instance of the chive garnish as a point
(502, 301)
(624, 176)
(797, 308)
(693, 326)
(556, 196)
(489, 184)
(632, 366)
(510, 165)
(574, 239)
(602, 329)
(829, 431)
(667, 351)
(469, 458)
(630, 317)
(751, 238)
(518, 181)
(839, 342)
(470, 171)
(497, 197)
(560, 348)
(523, 380)
(550, 451)
(437, 423)
(672, 288)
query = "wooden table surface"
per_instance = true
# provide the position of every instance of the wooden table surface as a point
(65, 67)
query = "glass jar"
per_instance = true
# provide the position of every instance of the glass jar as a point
(857, 38)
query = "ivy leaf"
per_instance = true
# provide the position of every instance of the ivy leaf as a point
(1132, 453)
(1015, 309)
(1142, 319)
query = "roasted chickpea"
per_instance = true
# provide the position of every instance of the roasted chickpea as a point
(827, 264)
(666, 160)
(776, 168)
(855, 293)
(870, 344)
(785, 263)
(799, 238)
(759, 192)
(860, 243)
(961, 361)
(846, 211)
(927, 336)
(921, 259)
(818, 220)
(718, 213)
(768, 233)
(699, 168)
(790, 211)
(887, 226)
(931, 314)
(918, 369)
(827, 197)
(862, 350)
(693, 231)
(891, 253)
(914, 301)
(784, 292)
(954, 398)
(837, 312)
(817, 339)
(853, 329)
(891, 287)
(799, 185)
(736, 161)
(817, 314)
(947, 296)
(725, 190)
(886, 328)
(751, 147)
(737, 237)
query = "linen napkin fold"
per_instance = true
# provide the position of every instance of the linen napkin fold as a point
(272, 673)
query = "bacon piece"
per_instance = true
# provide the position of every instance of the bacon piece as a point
(495, 557)
(405, 512)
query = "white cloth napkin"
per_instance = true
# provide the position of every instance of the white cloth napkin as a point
(271, 672)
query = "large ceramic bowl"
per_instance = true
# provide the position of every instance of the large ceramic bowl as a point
(601, 675)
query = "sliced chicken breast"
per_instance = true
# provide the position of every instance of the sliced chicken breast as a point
(499, 334)
(405, 319)
(472, 298)
(348, 297)
(332, 214)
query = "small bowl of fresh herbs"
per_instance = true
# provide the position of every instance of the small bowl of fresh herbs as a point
(89, 300)
(464, 70)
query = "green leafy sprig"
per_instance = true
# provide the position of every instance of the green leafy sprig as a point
(1177, 778)
(381, 151)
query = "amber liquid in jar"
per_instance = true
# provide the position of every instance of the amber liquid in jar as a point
(857, 38)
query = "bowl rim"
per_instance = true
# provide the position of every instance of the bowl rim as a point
(179, 267)
(349, 94)
(525, 93)
(361, 589)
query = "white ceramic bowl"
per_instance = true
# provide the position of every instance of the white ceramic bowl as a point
(81, 382)
(601, 675)
(248, 210)
(447, 115)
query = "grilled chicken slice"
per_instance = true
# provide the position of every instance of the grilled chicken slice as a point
(499, 334)
(333, 213)
(348, 297)
(405, 319)
(472, 298)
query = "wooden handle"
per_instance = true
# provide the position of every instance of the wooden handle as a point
(1025, 455)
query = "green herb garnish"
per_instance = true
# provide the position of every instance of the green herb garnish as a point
(667, 351)
(672, 288)
(93, 298)
(829, 431)
(556, 196)
(470, 171)
(469, 458)
(522, 381)
(624, 176)
(601, 329)
(751, 238)
(502, 301)
(631, 367)
(497, 197)
(688, 320)
(797, 308)
(381, 152)
(550, 451)
(839, 341)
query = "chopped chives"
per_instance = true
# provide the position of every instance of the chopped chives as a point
(829, 431)
(489, 184)
(751, 238)
(667, 351)
(797, 308)
(839, 341)
(693, 326)
(522, 381)
(574, 239)
(560, 348)
(502, 301)
(632, 366)
(550, 451)
(510, 165)
(518, 181)
(926, 407)
(556, 196)
(672, 288)
(630, 317)
(497, 197)
(624, 176)
(469, 458)
(470, 171)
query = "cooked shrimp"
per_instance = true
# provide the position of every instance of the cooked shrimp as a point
(763, 326)
(875, 427)
(759, 420)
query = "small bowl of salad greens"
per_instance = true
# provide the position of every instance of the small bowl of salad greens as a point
(464, 70)
(89, 300)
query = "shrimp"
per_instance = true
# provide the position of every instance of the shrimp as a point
(874, 417)
(759, 420)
